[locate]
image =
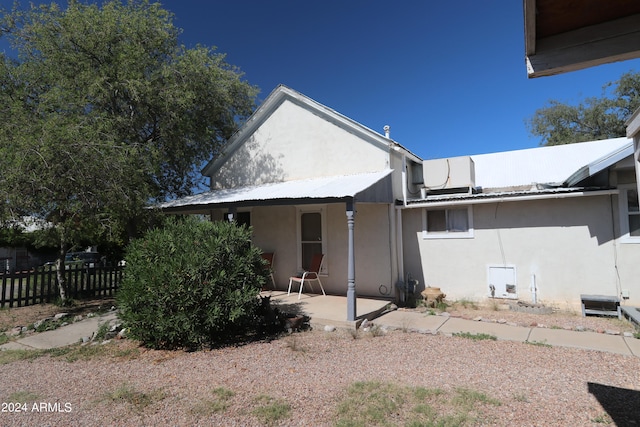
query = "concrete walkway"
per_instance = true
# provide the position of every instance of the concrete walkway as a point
(61, 337)
(419, 322)
(329, 311)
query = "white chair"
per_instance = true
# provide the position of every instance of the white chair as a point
(309, 276)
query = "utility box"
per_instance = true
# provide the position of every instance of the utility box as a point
(449, 174)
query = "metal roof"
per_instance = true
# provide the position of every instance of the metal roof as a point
(366, 187)
(542, 165)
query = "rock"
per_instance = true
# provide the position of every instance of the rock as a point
(60, 316)
(122, 334)
(77, 318)
(38, 323)
(628, 334)
(64, 323)
(477, 319)
(445, 314)
(611, 332)
(364, 324)
(91, 315)
(15, 331)
(512, 324)
(502, 321)
(580, 328)
(327, 328)
(85, 340)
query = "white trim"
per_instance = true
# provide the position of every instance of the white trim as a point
(624, 214)
(469, 234)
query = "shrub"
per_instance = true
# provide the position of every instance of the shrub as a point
(191, 283)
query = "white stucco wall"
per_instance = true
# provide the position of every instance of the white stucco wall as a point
(566, 243)
(274, 230)
(293, 143)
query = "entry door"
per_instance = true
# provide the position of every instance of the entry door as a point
(502, 282)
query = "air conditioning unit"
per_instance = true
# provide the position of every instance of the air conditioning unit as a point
(452, 175)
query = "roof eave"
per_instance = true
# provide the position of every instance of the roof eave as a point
(599, 165)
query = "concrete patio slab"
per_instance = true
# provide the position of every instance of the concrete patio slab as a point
(501, 331)
(584, 340)
(326, 309)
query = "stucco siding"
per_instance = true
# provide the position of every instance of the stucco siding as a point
(293, 143)
(274, 230)
(566, 245)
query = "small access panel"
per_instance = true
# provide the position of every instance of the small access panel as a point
(502, 282)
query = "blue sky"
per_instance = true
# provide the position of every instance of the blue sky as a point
(448, 77)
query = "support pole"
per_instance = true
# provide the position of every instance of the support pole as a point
(351, 261)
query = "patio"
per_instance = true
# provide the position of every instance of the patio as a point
(326, 309)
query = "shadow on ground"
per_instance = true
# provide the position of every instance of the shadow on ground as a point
(622, 405)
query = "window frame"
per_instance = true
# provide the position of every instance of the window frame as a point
(426, 234)
(625, 236)
(322, 210)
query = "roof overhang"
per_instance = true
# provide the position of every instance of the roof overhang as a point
(600, 164)
(565, 35)
(507, 196)
(372, 187)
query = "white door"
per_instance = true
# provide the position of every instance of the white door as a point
(502, 282)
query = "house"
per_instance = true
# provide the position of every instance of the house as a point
(544, 224)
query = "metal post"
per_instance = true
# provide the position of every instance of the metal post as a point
(351, 262)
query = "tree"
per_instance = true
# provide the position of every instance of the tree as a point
(104, 112)
(592, 119)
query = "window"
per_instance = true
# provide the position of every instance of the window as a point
(629, 214)
(447, 223)
(241, 218)
(311, 237)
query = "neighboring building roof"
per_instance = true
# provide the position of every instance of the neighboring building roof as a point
(374, 187)
(565, 35)
(545, 165)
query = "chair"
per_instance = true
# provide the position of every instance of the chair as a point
(269, 256)
(309, 276)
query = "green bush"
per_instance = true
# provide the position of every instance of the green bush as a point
(190, 284)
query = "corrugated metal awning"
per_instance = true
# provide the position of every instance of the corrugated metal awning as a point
(366, 187)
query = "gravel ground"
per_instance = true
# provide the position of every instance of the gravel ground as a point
(122, 384)
(311, 372)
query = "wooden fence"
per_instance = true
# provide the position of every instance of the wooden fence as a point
(39, 286)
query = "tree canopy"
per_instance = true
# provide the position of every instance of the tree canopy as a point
(592, 119)
(105, 111)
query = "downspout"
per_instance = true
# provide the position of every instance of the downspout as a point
(399, 250)
(393, 249)
(404, 180)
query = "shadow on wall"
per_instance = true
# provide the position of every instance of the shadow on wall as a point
(250, 165)
(622, 405)
(598, 214)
